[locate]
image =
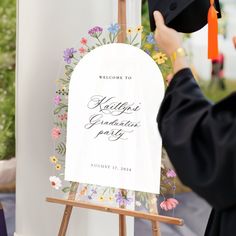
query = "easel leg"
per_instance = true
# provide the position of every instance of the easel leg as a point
(155, 225)
(122, 20)
(65, 221)
(155, 229)
(68, 210)
(122, 223)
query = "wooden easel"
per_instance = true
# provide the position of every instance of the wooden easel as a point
(122, 212)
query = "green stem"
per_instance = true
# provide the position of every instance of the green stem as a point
(134, 38)
(99, 41)
(75, 58)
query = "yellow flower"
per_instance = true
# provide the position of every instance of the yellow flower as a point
(101, 198)
(63, 88)
(129, 31)
(53, 159)
(160, 58)
(110, 198)
(139, 29)
(148, 46)
(58, 167)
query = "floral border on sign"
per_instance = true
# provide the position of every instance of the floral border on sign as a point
(93, 193)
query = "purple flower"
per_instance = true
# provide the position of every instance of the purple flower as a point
(148, 52)
(114, 28)
(68, 54)
(95, 31)
(57, 100)
(167, 181)
(171, 174)
(150, 39)
(122, 200)
(94, 191)
(89, 197)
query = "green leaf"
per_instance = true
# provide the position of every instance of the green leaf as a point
(104, 41)
(136, 44)
(65, 82)
(60, 124)
(66, 190)
(60, 107)
(110, 37)
(61, 149)
(68, 70)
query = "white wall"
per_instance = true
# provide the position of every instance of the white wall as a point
(45, 28)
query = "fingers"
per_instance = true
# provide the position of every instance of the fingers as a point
(159, 20)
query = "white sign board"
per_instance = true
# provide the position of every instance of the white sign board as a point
(112, 136)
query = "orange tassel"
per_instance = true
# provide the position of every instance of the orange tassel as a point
(213, 51)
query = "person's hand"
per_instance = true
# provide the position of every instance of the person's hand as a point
(167, 39)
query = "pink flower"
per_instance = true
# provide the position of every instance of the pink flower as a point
(56, 132)
(63, 116)
(84, 41)
(82, 50)
(171, 174)
(57, 100)
(169, 204)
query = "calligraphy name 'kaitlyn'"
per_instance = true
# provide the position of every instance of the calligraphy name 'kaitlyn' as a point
(110, 105)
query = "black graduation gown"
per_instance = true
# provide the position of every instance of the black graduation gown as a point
(200, 139)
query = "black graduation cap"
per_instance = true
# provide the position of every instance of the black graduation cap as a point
(185, 16)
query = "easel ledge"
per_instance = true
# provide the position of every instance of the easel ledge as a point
(119, 211)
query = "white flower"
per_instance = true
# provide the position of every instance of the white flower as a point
(138, 203)
(55, 182)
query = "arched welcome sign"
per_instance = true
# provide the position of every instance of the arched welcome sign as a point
(112, 137)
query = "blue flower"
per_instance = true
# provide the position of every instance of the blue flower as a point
(114, 28)
(150, 39)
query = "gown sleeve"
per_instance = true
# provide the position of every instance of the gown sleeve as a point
(200, 139)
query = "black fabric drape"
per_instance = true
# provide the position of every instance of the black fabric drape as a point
(200, 139)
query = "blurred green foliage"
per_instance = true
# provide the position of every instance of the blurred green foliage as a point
(215, 94)
(7, 78)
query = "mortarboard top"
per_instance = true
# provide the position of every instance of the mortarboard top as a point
(185, 16)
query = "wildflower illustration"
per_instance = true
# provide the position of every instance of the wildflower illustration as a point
(98, 36)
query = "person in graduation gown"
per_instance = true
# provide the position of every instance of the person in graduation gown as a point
(199, 137)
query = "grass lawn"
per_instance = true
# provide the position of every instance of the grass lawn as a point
(215, 94)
